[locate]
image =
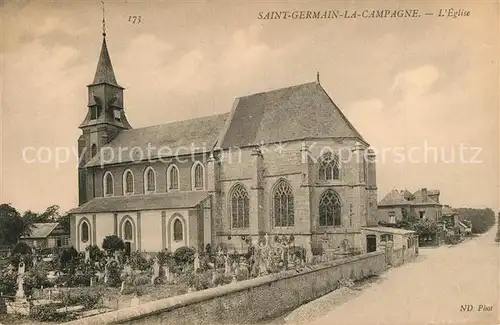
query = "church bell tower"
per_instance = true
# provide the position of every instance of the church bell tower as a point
(105, 118)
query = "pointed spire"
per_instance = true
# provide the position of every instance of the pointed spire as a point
(317, 76)
(104, 72)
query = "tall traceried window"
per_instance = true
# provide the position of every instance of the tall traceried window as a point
(329, 209)
(149, 180)
(198, 176)
(84, 232)
(240, 209)
(128, 182)
(128, 233)
(283, 206)
(108, 184)
(329, 167)
(173, 177)
(178, 231)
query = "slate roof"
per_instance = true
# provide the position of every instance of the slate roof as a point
(104, 72)
(292, 113)
(183, 137)
(177, 200)
(394, 197)
(419, 199)
(41, 230)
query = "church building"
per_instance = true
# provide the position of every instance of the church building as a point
(284, 164)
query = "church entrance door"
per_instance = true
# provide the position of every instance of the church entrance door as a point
(128, 248)
(371, 243)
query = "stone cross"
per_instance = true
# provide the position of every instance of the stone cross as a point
(87, 255)
(156, 271)
(227, 266)
(21, 269)
(20, 281)
(309, 257)
(196, 262)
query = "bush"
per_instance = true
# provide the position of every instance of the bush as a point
(114, 275)
(481, 219)
(96, 254)
(112, 244)
(89, 300)
(184, 255)
(35, 280)
(8, 283)
(22, 248)
(67, 255)
(139, 262)
(48, 313)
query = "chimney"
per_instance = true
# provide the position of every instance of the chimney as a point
(424, 194)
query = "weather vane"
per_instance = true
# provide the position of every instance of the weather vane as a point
(103, 20)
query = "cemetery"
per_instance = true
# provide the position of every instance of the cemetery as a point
(63, 285)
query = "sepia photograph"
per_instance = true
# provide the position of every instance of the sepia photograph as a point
(250, 162)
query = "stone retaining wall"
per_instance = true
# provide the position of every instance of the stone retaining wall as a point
(247, 301)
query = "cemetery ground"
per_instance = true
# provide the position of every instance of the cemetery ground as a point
(59, 285)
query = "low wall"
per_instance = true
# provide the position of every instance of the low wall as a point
(247, 301)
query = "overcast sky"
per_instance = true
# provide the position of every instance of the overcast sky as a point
(408, 83)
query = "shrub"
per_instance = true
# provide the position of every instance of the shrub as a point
(96, 254)
(48, 313)
(89, 300)
(67, 255)
(8, 283)
(184, 255)
(35, 279)
(114, 275)
(22, 248)
(139, 262)
(112, 244)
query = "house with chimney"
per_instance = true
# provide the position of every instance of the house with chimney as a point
(398, 205)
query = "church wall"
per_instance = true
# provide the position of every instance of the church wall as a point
(151, 226)
(104, 226)
(184, 164)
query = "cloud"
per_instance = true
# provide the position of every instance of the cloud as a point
(415, 82)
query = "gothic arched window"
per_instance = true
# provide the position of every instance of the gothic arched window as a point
(108, 184)
(150, 180)
(84, 232)
(329, 167)
(128, 181)
(329, 209)
(240, 210)
(178, 232)
(173, 178)
(127, 231)
(283, 205)
(198, 176)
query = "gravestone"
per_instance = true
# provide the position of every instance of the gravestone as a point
(20, 282)
(156, 270)
(196, 262)
(227, 266)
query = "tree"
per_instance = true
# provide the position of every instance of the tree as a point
(481, 219)
(12, 226)
(112, 244)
